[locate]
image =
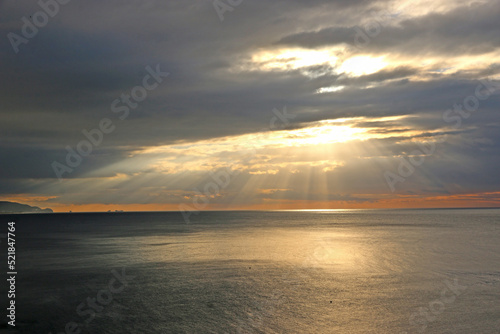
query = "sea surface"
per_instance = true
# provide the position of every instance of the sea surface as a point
(346, 271)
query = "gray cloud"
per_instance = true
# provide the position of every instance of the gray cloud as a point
(65, 79)
(469, 29)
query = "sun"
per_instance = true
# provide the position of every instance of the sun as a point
(325, 132)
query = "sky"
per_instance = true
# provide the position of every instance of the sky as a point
(235, 104)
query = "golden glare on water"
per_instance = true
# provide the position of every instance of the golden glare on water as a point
(318, 210)
(312, 249)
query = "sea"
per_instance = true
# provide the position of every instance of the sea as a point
(331, 271)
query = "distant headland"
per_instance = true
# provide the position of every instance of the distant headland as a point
(12, 207)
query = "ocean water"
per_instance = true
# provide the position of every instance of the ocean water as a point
(354, 271)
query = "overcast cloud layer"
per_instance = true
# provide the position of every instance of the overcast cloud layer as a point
(364, 83)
